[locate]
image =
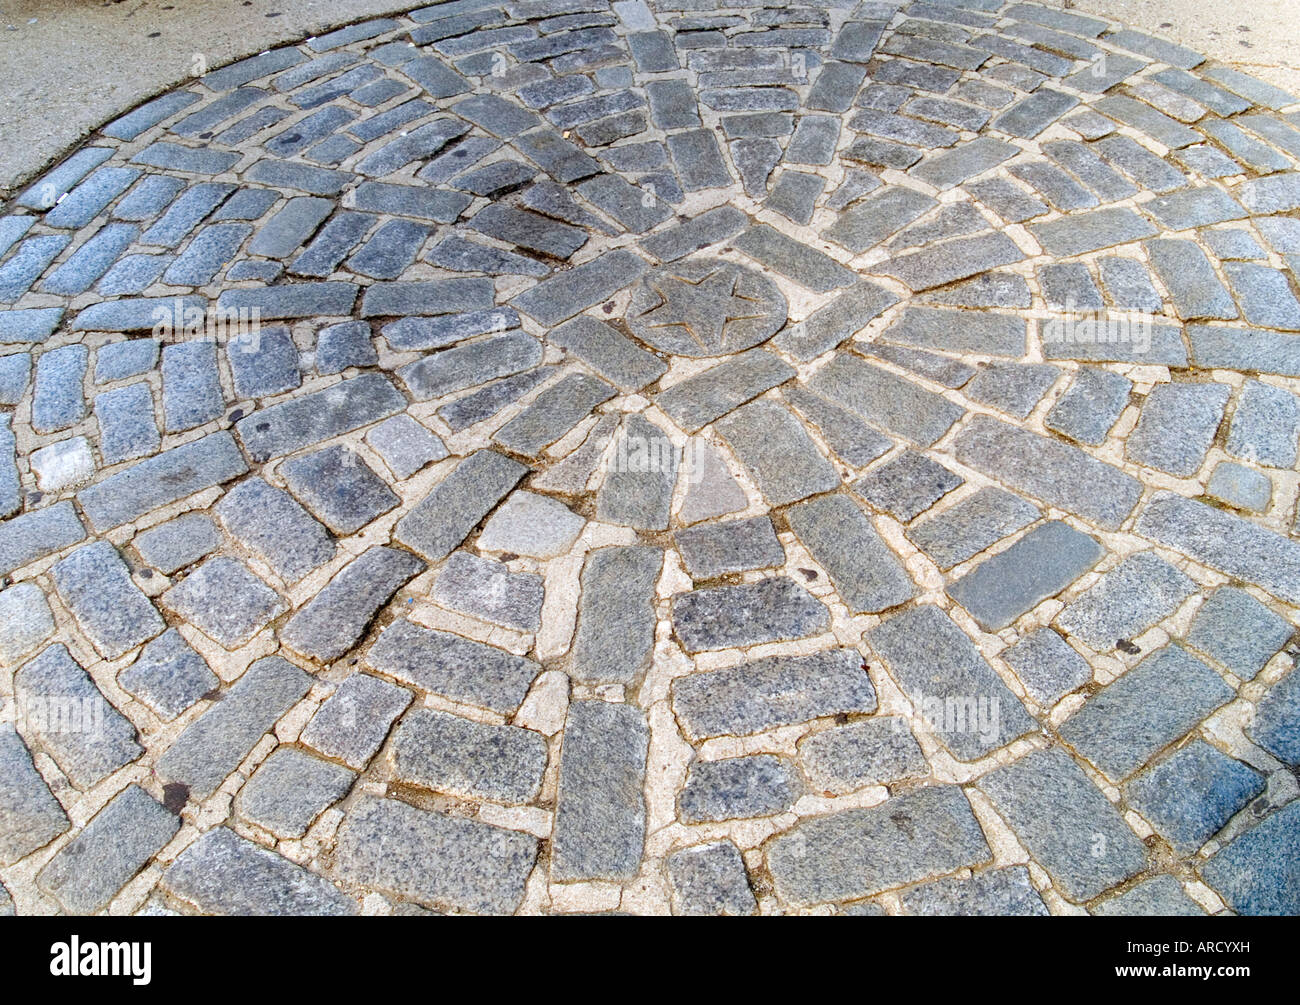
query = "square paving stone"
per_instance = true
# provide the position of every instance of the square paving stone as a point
(225, 601)
(875, 751)
(75, 723)
(1240, 487)
(969, 709)
(770, 610)
(263, 363)
(775, 691)
(339, 487)
(1238, 631)
(1257, 872)
(1265, 426)
(1161, 699)
(268, 522)
(964, 530)
(737, 788)
(1047, 666)
(1125, 602)
(531, 524)
(96, 586)
(1189, 796)
(1038, 566)
(119, 842)
(907, 485)
(225, 874)
(30, 816)
(858, 853)
(1090, 406)
(290, 790)
(1069, 827)
(600, 813)
(354, 721)
(454, 667)
(25, 621)
(446, 753)
(180, 542)
(168, 676)
(1003, 892)
(1177, 426)
(710, 880)
(406, 445)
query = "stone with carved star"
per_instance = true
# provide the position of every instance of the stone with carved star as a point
(705, 307)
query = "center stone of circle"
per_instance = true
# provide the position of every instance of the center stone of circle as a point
(705, 307)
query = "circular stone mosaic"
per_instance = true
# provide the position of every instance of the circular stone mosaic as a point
(546, 457)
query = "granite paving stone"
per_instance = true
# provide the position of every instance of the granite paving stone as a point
(169, 675)
(225, 601)
(723, 617)
(1005, 892)
(1139, 592)
(1238, 631)
(1255, 873)
(710, 880)
(874, 751)
(30, 816)
(445, 753)
(1177, 425)
(95, 584)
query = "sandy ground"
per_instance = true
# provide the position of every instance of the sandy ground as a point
(68, 66)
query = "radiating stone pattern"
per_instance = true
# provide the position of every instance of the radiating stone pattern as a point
(692, 458)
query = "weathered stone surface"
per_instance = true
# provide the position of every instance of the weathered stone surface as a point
(332, 622)
(1161, 896)
(553, 413)
(1152, 705)
(874, 751)
(453, 507)
(1047, 666)
(777, 450)
(734, 546)
(616, 618)
(25, 621)
(600, 810)
(770, 692)
(857, 853)
(214, 745)
(1256, 873)
(637, 490)
(449, 754)
(486, 589)
(1040, 565)
(168, 676)
(309, 418)
(1189, 796)
(1061, 817)
(478, 868)
(30, 816)
(267, 521)
(964, 530)
(451, 666)
(841, 538)
(1224, 542)
(73, 721)
(223, 873)
(1238, 631)
(531, 524)
(767, 611)
(885, 400)
(470, 365)
(338, 487)
(120, 840)
(998, 892)
(225, 601)
(354, 721)
(96, 586)
(1054, 472)
(610, 354)
(1140, 591)
(907, 485)
(700, 399)
(969, 709)
(173, 545)
(740, 787)
(1277, 721)
(710, 880)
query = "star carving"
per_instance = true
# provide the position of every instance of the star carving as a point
(703, 307)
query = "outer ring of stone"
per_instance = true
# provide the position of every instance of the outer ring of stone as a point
(769, 309)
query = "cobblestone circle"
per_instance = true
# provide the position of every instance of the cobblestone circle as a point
(542, 456)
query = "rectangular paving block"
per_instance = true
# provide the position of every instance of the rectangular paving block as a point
(951, 260)
(800, 262)
(452, 666)
(769, 610)
(842, 540)
(213, 745)
(1232, 545)
(1091, 406)
(829, 325)
(454, 507)
(600, 813)
(298, 300)
(616, 615)
(470, 365)
(1068, 826)
(438, 296)
(962, 531)
(433, 859)
(1140, 591)
(1123, 726)
(1186, 271)
(95, 585)
(446, 753)
(1080, 233)
(879, 215)
(1176, 427)
(845, 856)
(283, 428)
(354, 721)
(332, 622)
(885, 400)
(117, 843)
(1038, 566)
(968, 707)
(30, 816)
(717, 549)
(553, 413)
(778, 452)
(76, 724)
(1048, 470)
(700, 399)
(637, 488)
(612, 355)
(225, 874)
(959, 331)
(569, 293)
